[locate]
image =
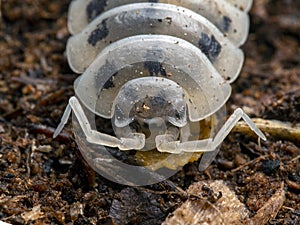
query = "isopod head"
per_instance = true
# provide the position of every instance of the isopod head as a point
(150, 104)
(146, 98)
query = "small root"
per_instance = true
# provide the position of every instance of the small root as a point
(276, 129)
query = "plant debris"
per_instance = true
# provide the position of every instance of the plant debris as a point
(215, 204)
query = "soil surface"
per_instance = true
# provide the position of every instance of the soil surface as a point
(45, 181)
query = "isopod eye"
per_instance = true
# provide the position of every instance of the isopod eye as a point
(178, 116)
(122, 118)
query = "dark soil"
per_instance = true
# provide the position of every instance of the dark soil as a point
(49, 175)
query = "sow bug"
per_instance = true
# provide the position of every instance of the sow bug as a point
(159, 70)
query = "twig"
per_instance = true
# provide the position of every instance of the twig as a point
(294, 159)
(275, 128)
(250, 162)
(270, 209)
(288, 208)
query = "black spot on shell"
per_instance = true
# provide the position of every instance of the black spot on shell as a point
(154, 1)
(226, 23)
(98, 34)
(107, 67)
(155, 68)
(209, 46)
(110, 83)
(95, 8)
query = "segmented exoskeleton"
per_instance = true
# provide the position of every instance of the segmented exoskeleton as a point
(156, 68)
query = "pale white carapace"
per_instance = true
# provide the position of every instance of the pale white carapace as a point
(161, 64)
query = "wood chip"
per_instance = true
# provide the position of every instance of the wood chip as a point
(213, 203)
(226, 210)
(34, 214)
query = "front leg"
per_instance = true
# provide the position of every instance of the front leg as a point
(137, 141)
(168, 143)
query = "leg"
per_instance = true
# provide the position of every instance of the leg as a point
(63, 121)
(167, 142)
(93, 136)
(232, 121)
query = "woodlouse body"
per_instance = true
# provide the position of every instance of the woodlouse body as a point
(157, 69)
